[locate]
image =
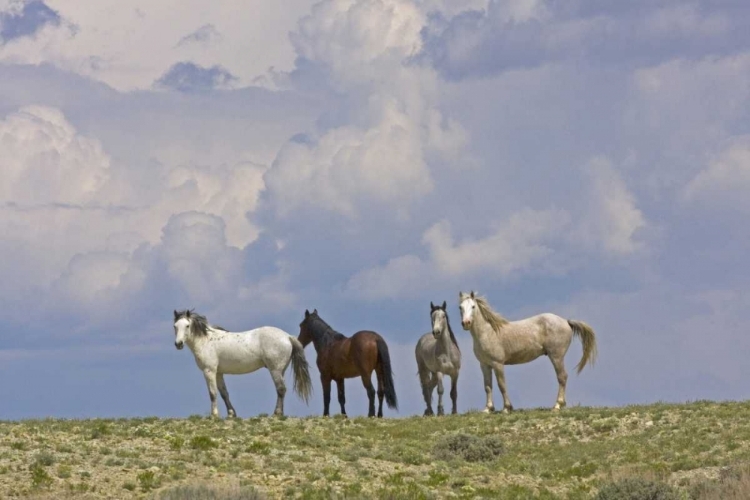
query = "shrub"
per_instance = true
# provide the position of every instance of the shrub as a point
(44, 459)
(468, 447)
(148, 481)
(733, 484)
(637, 489)
(201, 492)
(39, 477)
(99, 430)
(202, 443)
(176, 442)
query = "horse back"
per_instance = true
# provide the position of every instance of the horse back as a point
(525, 340)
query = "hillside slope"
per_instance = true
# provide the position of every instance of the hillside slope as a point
(530, 454)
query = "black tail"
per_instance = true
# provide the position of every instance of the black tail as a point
(385, 362)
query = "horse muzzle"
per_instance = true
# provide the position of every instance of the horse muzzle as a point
(179, 345)
(466, 325)
(436, 333)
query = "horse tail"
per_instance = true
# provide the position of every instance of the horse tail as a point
(302, 383)
(385, 364)
(588, 339)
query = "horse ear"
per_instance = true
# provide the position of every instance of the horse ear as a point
(432, 306)
(315, 311)
(187, 314)
(175, 314)
(307, 313)
(445, 305)
(472, 294)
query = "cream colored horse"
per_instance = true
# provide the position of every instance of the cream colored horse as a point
(499, 342)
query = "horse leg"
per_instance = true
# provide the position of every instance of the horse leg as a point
(454, 393)
(500, 375)
(278, 380)
(381, 391)
(225, 395)
(212, 389)
(425, 380)
(342, 395)
(487, 375)
(367, 382)
(326, 382)
(562, 380)
(440, 390)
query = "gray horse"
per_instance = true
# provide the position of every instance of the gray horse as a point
(438, 354)
(499, 342)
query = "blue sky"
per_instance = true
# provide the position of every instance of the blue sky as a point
(366, 157)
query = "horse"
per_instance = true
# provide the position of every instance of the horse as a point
(438, 354)
(341, 357)
(499, 342)
(218, 352)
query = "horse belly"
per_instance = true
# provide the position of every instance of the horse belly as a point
(239, 362)
(347, 371)
(525, 356)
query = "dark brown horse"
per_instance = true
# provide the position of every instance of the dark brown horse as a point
(341, 357)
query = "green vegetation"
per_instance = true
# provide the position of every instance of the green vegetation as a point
(696, 451)
(468, 447)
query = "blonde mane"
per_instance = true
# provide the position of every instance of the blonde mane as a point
(495, 320)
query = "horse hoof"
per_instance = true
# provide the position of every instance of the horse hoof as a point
(507, 409)
(441, 411)
(428, 413)
(454, 412)
(488, 409)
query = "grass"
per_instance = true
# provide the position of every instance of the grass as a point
(700, 449)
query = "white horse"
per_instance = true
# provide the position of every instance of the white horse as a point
(438, 354)
(218, 352)
(499, 342)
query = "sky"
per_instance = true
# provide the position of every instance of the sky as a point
(253, 159)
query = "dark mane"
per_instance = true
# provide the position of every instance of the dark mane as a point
(444, 308)
(321, 331)
(450, 330)
(198, 323)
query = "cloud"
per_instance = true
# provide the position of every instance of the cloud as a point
(64, 185)
(523, 240)
(25, 18)
(725, 182)
(613, 216)
(128, 45)
(197, 257)
(204, 35)
(391, 122)
(46, 161)
(349, 165)
(524, 34)
(602, 221)
(189, 77)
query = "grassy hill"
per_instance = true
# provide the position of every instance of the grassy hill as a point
(528, 454)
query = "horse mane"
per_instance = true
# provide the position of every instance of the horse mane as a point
(322, 330)
(495, 320)
(450, 330)
(198, 323)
